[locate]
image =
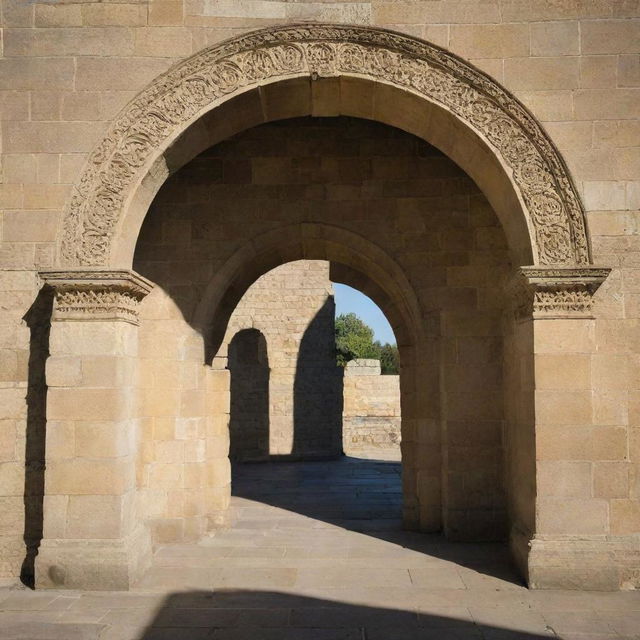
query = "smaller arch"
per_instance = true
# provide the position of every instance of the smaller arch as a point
(355, 261)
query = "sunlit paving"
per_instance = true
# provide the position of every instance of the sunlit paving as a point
(315, 551)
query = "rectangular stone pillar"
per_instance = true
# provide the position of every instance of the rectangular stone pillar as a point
(574, 543)
(92, 537)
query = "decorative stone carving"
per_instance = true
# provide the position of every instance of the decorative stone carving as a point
(556, 292)
(97, 294)
(163, 110)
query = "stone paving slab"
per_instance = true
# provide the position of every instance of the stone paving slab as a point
(294, 580)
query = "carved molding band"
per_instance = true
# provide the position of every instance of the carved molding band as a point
(556, 292)
(97, 294)
(162, 111)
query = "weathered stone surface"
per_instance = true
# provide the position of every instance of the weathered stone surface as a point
(569, 386)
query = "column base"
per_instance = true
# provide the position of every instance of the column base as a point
(589, 564)
(96, 565)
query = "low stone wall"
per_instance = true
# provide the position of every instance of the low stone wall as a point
(371, 412)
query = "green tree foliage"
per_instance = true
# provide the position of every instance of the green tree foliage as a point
(354, 339)
(389, 359)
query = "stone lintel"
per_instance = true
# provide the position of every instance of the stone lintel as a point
(557, 291)
(91, 294)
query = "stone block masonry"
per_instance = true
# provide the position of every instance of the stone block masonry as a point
(495, 440)
(371, 412)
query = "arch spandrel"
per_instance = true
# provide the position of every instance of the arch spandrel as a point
(162, 112)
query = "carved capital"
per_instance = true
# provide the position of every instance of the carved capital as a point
(97, 294)
(556, 292)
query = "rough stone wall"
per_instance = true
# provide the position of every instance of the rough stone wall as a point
(69, 67)
(292, 307)
(371, 413)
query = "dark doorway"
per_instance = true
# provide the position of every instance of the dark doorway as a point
(249, 420)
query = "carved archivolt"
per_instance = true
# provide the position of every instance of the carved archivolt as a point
(166, 107)
(97, 294)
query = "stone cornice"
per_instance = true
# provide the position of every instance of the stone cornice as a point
(96, 294)
(557, 292)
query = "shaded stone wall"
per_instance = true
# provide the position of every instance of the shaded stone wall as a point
(371, 414)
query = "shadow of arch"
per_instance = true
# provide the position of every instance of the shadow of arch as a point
(317, 390)
(248, 363)
(271, 615)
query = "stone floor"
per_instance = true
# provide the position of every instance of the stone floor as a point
(317, 554)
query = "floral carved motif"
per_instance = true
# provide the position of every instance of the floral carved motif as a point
(96, 294)
(541, 293)
(167, 106)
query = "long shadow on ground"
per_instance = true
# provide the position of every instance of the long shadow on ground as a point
(364, 496)
(268, 615)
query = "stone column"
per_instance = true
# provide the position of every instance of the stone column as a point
(561, 541)
(92, 537)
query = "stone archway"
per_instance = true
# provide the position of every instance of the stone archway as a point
(548, 202)
(270, 75)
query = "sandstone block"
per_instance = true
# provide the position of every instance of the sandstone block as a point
(566, 372)
(11, 479)
(166, 476)
(610, 371)
(14, 105)
(611, 479)
(597, 72)
(629, 70)
(548, 105)
(34, 74)
(610, 407)
(86, 404)
(30, 226)
(166, 12)
(606, 104)
(59, 42)
(116, 14)
(610, 36)
(55, 516)
(448, 11)
(172, 42)
(11, 196)
(12, 403)
(60, 15)
(563, 408)
(625, 517)
(42, 137)
(95, 517)
(46, 196)
(555, 38)
(95, 439)
(119, 74)
(89, 477)
(572, 516)
(8, 440)
(541, 73)
(490, 40)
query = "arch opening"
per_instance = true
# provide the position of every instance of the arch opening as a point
(430, 252)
